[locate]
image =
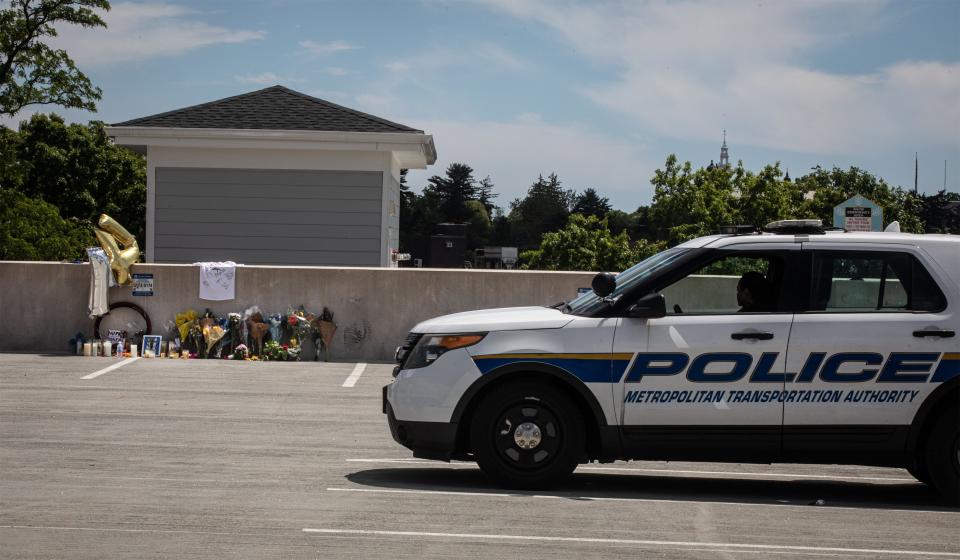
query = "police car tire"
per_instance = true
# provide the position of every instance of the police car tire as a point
(942, 458)
(920, 473)
(496, 421)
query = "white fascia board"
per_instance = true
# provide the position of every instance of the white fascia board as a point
(415, 150)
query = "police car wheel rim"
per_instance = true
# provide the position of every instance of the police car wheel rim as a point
(519, 423)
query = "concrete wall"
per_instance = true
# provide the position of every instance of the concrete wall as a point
(45, 303)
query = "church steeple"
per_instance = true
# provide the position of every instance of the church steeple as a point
(724, 154)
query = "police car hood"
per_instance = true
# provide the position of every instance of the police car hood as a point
(503, 319)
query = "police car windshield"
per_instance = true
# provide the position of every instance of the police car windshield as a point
(587, 303)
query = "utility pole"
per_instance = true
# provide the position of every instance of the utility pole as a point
(916, 170)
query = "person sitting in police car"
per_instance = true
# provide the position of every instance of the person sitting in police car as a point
(754, 293)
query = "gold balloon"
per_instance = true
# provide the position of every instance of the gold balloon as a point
(112, 236)
(111, 226)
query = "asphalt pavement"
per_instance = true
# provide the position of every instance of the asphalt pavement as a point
(220, 459)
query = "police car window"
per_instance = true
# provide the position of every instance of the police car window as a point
(731, 284)
(858, 282)
(588, 303)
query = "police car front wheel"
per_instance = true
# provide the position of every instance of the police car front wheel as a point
(527, 435)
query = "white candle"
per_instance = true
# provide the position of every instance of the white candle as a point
(95, 349)
(107, 347)
(87, 349)
(133, 350)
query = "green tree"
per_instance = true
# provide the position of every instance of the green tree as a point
(544, 209)
(941, 212)
(590, 203)
(33, 230)
(688, 203)
(453, 191)
(77, 169)
(486, 195)
(768, 196)
(479, 226)
(586, 243)
(618, 221)
(832, 187)
(31, 72)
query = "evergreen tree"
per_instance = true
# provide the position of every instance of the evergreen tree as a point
(486, 195)
(453, 191)
(590, 203)
(544, 209)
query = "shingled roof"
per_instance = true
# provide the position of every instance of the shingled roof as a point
(273, 108)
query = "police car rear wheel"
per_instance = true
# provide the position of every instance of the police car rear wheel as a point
(943, 455)
(527, 435)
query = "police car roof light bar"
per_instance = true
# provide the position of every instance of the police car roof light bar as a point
(795, 226)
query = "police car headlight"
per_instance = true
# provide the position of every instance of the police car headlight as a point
(430, 347)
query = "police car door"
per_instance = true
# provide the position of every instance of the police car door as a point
(864, 354)
(707, 377)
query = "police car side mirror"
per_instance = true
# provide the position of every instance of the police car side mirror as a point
(603, 284)
(650, 306)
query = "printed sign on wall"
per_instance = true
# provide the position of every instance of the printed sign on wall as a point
(142, 284)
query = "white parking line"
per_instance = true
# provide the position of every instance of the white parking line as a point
(109, 368)
(633, 500)
(661, 471)
(674, 544)
(354, 375)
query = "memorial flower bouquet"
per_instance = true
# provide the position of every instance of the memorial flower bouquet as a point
(274, 351)
(240, 352)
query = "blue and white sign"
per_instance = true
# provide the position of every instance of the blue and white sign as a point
(142, 284)
(858, 214)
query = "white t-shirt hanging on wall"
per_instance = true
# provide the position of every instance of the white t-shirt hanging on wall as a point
(101, 278)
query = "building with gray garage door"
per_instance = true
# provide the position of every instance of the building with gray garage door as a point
(273, 177)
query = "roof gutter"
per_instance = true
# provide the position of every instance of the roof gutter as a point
(405, 142)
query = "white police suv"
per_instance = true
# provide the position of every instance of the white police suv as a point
(792, 345)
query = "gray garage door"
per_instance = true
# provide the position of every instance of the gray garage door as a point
(262, 216)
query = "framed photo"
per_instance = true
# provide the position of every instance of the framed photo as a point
(151, 345)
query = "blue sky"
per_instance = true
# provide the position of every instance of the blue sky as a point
(598, 92)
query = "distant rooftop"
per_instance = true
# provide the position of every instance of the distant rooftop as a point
(273, 108)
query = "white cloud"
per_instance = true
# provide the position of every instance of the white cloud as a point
(491, 55)
(690, 68)
(397, 67)
(262, 79)
(515, 152)
(500, 56)
(325, 49)
(267, 79)
(371, 102)
(142, 31)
